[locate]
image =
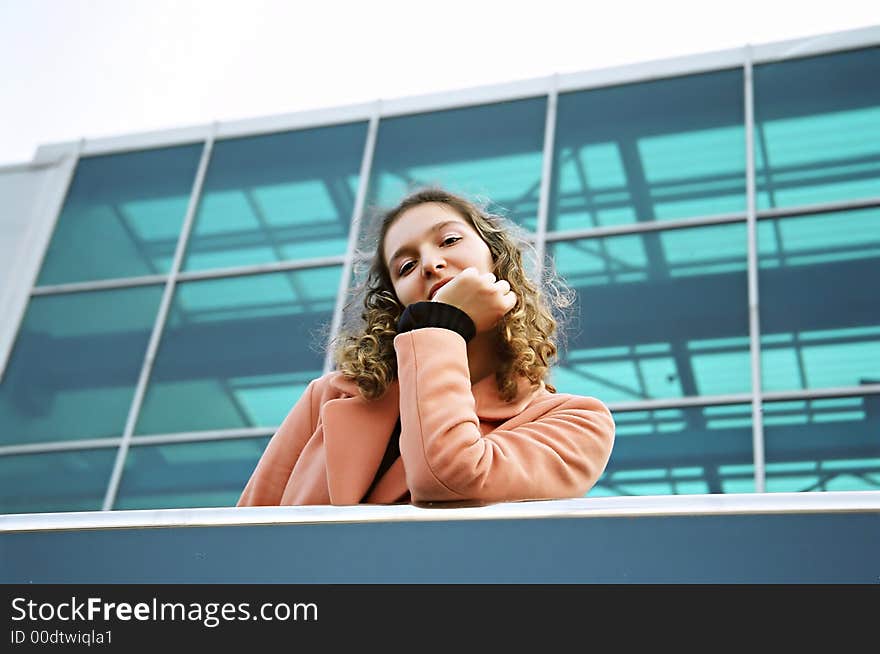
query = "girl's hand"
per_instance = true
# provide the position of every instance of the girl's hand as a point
(480, 296)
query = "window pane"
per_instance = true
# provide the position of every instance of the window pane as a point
(492, 152)
(183, 475)
(672, 148)
(75, 365)
(658, 315)
(830, 444)
(681, 452)
(239, 351)
(55, 481)
(817, 129)
(122, 216)
(820, 314)
(277, 197)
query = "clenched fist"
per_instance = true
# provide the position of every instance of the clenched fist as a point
(480, 296)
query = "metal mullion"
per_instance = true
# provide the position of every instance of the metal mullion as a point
(546, 175)
(680, 402)
(753, 300)
(354, 233)
(813, 209)
(821, 393)
(208, 435)
(158, 326)
(100, 285)
(257, 269)
(59, 446)
(642, 227)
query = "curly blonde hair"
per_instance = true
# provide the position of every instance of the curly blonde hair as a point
(527, 346)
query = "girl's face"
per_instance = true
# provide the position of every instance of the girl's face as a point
(426, 246)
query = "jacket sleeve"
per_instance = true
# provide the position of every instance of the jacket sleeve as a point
(558, 447)
(269, 479)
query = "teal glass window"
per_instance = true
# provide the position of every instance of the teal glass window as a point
(185, 475)
(489, 152)
(830, 444)
(55, 481)
(681, 451)
(659, 150)
(277, 197)
(658, 315)
(817, 129)
(238, 352)
(75, 365)
(820, 313)
(122, 216)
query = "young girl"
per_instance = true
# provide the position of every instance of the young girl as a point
(441, 393)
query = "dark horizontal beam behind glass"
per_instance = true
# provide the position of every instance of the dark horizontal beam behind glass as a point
(666, 149)
(817, 123)
(239, 346)
(683, 450)
(277, 197)
(506, 140)
(184, 475)
(75, 364)
(825, 296)
(55, 481)
(237, 352)
(122, 215)
(823, 444)
(662, 310)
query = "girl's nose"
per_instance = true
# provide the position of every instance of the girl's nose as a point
(433, 265)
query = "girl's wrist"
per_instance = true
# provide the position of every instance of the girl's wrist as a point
(420, 315)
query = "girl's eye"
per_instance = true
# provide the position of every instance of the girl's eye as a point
(449, 240)
(405, 268)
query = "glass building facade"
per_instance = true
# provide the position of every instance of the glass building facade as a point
(720, 225)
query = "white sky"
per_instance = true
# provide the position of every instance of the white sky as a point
(95, 68)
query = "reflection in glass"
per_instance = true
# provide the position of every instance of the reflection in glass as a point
(681, 451)
(122, 216)
(55, 481)
(660, 150)
(184, 475)
(817, 129)
(75, 365)
(820, 314)
(830, 444)
(238, 352)
(277, 197)
(490, 152)
(658, 315)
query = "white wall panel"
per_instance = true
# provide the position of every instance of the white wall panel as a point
(30, 198)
